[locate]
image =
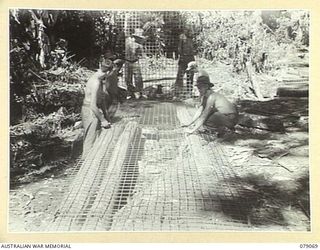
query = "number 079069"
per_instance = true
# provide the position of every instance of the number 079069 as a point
(306, 246)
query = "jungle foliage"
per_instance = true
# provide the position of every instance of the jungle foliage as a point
(53, 52)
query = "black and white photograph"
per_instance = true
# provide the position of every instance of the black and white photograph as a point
(159, 121)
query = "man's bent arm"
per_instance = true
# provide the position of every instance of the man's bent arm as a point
(196, 115)
(204, 115)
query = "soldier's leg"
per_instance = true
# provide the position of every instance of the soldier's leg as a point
(221, 122)
(91, 127)
(179, 79)
(128, 77)
(137, 77)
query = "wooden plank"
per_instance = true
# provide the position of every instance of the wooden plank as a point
(292, 92)
(81, 186)
(105, 198)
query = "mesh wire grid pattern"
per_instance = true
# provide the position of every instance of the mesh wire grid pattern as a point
(159, 64)
(144, 174)
(86, 185)
(148, 176)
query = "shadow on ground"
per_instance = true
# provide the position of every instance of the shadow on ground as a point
(278, 106)
(257, 201)
(277, 115)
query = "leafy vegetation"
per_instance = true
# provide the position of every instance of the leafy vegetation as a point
(53, 52)
(260, 36)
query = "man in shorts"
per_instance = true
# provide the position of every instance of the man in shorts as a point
(215, 112)
(133, 52)
(94, 112)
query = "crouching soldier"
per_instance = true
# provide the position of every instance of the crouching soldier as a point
(215, 112)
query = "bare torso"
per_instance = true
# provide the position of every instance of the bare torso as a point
(218, 103)
(94, 83)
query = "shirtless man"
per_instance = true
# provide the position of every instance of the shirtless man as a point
(215, 111)
(94, 112)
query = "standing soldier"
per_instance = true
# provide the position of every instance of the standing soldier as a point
(94, 112)
(134, 51)
(186, 55)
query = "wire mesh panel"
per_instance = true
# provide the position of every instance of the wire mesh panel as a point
(147, 175)
(176, 187)
(156, 47)
(144, 173)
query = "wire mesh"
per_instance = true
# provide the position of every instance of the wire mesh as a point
(153, 46)
(145, 174)
(154, 178)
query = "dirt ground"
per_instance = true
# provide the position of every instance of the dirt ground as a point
(272, 163)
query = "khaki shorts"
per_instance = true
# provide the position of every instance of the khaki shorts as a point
(220, 120)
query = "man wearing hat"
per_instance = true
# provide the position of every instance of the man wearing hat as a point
(113, 93)
(111, 81)
(193, 68)
(195, 71)
(94, 113)
(133, 50)
(215, 112)
(121, 89)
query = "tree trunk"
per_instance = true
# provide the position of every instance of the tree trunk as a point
(254, 84)
(292, 92)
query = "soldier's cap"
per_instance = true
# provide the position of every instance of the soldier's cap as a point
(106, 63)
(192, 65)
(118, 62)
(138, 34)
(204, 80)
